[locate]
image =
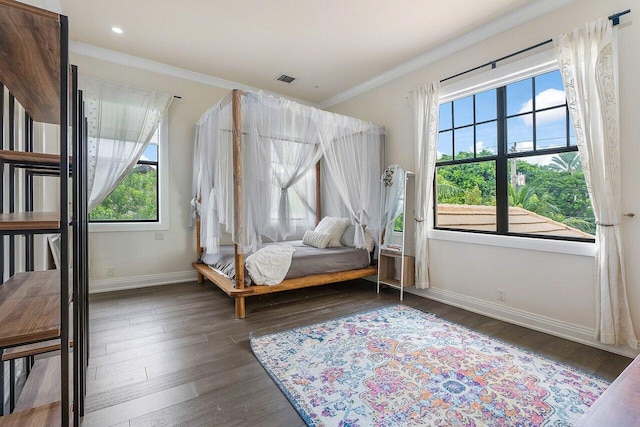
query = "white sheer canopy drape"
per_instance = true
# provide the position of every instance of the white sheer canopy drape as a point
(353, 162)
(426, 109)
(588, 62)
(121, 121)
(284, 136)
(281, 143)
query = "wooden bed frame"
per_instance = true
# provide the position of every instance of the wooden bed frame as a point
(240, 292)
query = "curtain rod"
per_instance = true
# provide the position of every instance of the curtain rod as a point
(615, 19)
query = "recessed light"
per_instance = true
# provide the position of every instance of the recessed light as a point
(117, 30)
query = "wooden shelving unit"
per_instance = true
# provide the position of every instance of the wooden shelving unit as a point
(26, 221)
(41, 311)
(387, 269)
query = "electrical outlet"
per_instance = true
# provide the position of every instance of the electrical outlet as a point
(111, 271)
(501, 295)
(158, 236)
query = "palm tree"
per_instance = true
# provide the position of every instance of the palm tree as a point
(566, 162)
(525, 197)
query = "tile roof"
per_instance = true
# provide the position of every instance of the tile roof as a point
(471, 217)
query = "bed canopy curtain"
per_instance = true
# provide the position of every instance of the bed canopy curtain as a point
(281, 143)
(424, 101)
(353, 162)
(589, 66)
(121, 121)
(282, 134)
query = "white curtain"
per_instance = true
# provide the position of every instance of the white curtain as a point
(425, 127)
(284, 137)
(353, 157)
(212, 201)
(588, 62)
(121, 121)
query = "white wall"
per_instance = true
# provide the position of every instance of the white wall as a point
(548, 291)
(137, 258)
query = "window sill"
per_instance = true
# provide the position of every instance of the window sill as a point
(126, 226)
(543, 245)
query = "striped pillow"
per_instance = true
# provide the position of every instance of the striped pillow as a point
(316, 239)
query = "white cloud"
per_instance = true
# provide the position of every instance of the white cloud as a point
(546, 98)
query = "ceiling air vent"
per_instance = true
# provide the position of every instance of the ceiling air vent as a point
(285, 78)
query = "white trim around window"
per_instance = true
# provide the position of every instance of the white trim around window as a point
(163, 194)
(530, 66)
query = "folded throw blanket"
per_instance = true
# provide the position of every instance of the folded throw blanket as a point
(269, 265)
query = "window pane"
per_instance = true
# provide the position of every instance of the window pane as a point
(135, 199)
(486, 106)
(486, 139)
(466, 196)
(551, 128)
(463, 111)
(445, 116)
(150, 153)
(519, 97)
(463, 143)
(548, 196)
(445, 146)
(520, 133)
(549, 90)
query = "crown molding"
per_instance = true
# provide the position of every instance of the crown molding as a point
(167, 70)
(505, 23)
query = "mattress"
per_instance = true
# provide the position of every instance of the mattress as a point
(306, 260)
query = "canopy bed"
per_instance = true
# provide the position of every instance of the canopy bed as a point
(263, 169)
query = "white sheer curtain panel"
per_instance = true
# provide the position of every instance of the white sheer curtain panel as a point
(424, 101)
(121, 121)
(353, 158)
(284, 139)
(212, 201)
(589, 65)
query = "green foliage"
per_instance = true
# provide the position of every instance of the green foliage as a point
(566, 162)
(398, 223)
(530, 198)
(134, 199)
(467, 184)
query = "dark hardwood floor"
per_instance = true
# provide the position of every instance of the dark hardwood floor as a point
(175, 355)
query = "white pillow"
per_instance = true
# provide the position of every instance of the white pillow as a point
(335, 227)
(369, 242)
(316, 239)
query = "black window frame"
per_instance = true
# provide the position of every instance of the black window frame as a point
(502, 158)
(155, 163)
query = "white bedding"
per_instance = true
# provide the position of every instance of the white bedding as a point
(269, 265)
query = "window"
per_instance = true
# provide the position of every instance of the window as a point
(139, 202)
(301, 196)
(508, 163)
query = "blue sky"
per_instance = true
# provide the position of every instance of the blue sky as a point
(550, 125)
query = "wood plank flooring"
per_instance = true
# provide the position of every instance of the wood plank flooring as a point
(175, 355)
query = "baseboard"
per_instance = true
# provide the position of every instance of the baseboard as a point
(523, 318)
(134, 282)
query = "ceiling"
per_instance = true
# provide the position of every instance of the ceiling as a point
(329, 45)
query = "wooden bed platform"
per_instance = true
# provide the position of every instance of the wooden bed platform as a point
(224, 283)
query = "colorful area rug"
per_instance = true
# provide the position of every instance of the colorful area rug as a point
(398, 366)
